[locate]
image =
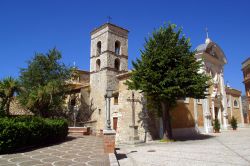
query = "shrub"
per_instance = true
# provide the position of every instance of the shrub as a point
(21, 132)
(216, 125)
(234, 123)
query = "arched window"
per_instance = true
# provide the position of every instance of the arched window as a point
(98, 48)
(236, 103)
(117, 64)
(98, 64)
(117, 47)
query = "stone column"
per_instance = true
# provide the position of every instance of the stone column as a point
(195, 115)
(231, 106)
(224, 101)
(212, 107)
(241, 112)
(205, 105)
(220, 117)
(207, 116)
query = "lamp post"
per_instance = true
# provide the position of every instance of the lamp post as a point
(108, 134)
(108, 96)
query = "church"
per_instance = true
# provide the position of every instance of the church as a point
(129, 116)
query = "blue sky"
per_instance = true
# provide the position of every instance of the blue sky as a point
(30, 26)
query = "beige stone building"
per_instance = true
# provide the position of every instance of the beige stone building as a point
(246, 76)
(129, 115)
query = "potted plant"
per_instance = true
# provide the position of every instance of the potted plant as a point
(216, 126)
(234, 123)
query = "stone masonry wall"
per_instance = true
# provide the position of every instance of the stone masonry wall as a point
(124, 113)
(183, 115)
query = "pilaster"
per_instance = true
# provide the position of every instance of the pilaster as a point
(195, 114)
(224, 101)
(241, 112)
(207, 116)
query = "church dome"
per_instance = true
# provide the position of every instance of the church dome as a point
(201, 47)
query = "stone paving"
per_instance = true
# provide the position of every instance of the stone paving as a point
(226, 148)
(76, 151)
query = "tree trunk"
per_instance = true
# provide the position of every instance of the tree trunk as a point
(167, 128)
(8, 107)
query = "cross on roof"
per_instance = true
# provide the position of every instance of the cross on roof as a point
(109, 19)
(206, 31)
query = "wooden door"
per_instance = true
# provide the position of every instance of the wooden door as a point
(115, 119)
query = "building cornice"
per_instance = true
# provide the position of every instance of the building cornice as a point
(210, 58)
(110, 52)
(124, 75)
(233, 91)
(107, 25)
(110, 69)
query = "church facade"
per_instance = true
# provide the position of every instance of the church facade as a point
(129, 115)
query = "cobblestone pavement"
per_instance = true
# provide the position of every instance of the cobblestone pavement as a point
(224, 149)
(76, 151)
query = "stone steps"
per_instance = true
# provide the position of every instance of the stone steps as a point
(79, 130)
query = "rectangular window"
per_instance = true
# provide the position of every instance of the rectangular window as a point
(116, 100)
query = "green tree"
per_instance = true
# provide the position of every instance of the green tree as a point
(8, 87)
(233, 123)
(43, 84)
(168, 71)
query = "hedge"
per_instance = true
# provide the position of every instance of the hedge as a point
(21, 132)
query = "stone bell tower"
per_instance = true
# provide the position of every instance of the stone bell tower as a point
(108, 57)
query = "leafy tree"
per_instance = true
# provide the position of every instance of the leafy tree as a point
(168, 71)
(43, 84)
(8, 87)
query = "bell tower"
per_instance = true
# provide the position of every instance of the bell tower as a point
(108, 58)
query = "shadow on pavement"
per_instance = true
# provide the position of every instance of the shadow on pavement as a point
(193, 137)
(119, 155)
(35, 147)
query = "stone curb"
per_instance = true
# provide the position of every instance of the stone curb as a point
(113, 160)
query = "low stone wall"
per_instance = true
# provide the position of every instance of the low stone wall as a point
(79, 130)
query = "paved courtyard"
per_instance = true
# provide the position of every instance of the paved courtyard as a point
(76, 151)
(226, 148)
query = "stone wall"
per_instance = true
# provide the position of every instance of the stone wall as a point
(183, 114)
(234, 110)
(17, 109)
(123, 111)
(200, 119)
